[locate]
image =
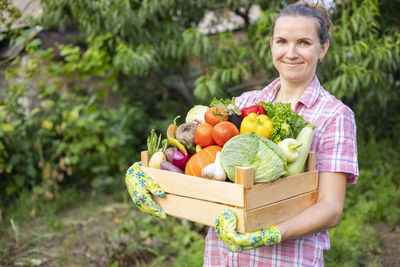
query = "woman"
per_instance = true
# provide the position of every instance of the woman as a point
(299, 40)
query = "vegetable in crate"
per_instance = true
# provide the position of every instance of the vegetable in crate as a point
(224, 131)
(251, 150)
(168, 166)
(196, 114)
(286, 122)
(258, 124)
(176, 157)
(155, 144)
(290, 148)
(214, 170)
(305, 137)
(185, 133)
(235, 118)
(156, 160)
(156, 151)
(171, 131)
(203, 135)
(257, 109)
(215, 115)
(201, 159)
(221, 103)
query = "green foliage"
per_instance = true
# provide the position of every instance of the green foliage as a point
(156, 241)
(378, 191)
(361, 60)
(54, 131)
(352, 245)
(374, 199)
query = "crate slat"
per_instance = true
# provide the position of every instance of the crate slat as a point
(196, 210)
(195, 187)
(312, 161)
(275, 213)
(281, 189)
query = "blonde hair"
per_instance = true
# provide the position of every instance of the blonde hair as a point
(316, 11)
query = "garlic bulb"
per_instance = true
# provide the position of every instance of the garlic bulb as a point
(214, 170)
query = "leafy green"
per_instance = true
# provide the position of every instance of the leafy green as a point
(220, 103)
(251, 150)
(287, 123)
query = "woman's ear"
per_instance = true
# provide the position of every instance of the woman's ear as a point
(270, 41)
(324, 49)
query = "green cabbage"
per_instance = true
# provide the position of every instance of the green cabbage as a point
(196, 113)
(251, 150)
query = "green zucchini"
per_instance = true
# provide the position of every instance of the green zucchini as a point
(305, 137)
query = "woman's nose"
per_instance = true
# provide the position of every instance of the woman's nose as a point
(292, 51)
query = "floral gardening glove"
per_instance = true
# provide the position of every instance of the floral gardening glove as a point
(139, 184)
(225, 227)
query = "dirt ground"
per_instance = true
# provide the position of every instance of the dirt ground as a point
(391, 246)
(80, 238)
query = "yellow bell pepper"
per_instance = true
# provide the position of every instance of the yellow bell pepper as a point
(258, 124)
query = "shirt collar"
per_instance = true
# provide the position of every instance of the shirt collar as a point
(272, 89)
(310, 95)
(308, 98)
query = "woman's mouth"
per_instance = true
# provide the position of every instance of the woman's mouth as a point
(292, 64)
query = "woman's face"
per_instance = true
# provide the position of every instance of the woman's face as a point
(296, 48)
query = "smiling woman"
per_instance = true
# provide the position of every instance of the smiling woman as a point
(300, 38)
(296, 48)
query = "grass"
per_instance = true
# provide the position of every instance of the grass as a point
(97, 230)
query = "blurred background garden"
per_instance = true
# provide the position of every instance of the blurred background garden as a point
(82, 83)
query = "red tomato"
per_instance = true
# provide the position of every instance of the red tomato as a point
(215, 115)
(224, 131)
(203, 135)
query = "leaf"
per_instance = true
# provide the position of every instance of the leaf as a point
(6, 127)
(47, 104)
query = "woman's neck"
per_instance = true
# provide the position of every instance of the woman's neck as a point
(291, 92)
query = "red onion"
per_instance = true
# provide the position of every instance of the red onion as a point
(169, 153)
(180, 159)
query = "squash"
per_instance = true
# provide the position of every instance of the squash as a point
(201, 159)
(305, 137)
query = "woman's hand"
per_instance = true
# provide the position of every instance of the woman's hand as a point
(225, 228)
(139, 184)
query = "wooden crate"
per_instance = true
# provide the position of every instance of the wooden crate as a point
(256, 205)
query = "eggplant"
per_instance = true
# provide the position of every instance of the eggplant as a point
(235, 119)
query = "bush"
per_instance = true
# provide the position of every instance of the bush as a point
(57, 128)
(374, 199)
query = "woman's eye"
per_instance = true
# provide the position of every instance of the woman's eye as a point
(280, 41)
(305, 43)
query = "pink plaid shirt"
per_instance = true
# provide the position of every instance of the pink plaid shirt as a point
(336, 147)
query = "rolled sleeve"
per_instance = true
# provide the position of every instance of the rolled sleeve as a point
(338, 147)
